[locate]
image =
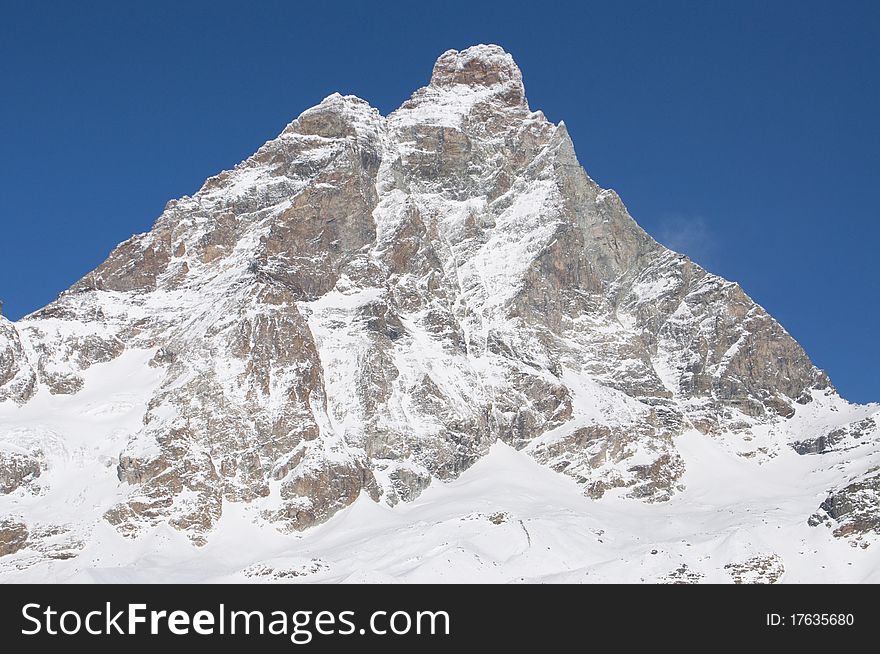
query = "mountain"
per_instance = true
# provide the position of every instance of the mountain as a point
(373, 314)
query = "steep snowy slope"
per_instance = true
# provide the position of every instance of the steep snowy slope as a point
(365, 308)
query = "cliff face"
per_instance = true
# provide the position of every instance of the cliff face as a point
(368, 303)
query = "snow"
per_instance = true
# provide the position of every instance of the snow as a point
(445, 107)
(80, 438)
(546, 531)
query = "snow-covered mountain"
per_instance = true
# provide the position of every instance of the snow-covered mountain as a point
(435, 333)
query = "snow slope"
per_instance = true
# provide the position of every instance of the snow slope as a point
(508, 519)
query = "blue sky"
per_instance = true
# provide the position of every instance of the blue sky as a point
(742, 133)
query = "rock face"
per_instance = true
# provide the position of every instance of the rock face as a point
(18, 382)
(367, 303)
(839, 439)
(17, 469)
(852, 510)
(13, 537)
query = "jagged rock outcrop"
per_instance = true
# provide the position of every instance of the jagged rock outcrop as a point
(13, 536)
(18, 468)
(852, 510)
(841, 438)
(367, 303)
(18, 382)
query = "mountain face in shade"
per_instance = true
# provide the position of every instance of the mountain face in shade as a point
(368, 306)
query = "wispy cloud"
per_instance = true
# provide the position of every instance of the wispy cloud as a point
(690, 235)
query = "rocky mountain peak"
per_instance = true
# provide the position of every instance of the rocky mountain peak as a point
(366, 305)
(335, 116)
(479, 66)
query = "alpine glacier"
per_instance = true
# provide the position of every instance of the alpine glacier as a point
(422, 347)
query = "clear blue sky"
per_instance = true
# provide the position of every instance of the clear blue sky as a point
(742, 133)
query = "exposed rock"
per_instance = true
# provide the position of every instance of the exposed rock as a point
(265, 572)
(852, 510)
(682, 575)
(762, 569)
(18, 469)
(18, 382)
(13, 536)
(499, 518)
(840, 439)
